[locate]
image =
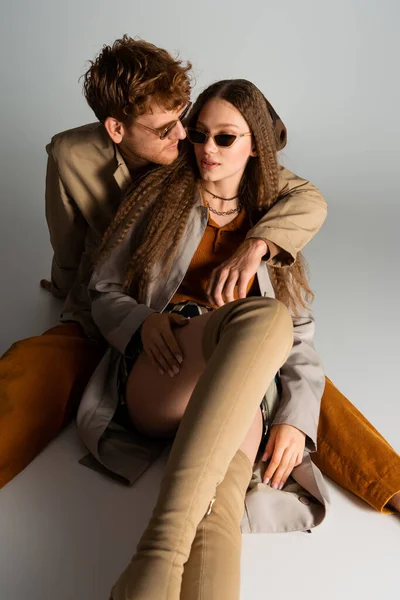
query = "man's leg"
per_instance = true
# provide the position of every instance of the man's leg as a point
(41, 382)
(354, 454)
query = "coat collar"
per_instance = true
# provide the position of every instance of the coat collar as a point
(121, 173)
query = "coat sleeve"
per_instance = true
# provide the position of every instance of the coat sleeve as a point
(67, 228)
(302, 382)
(117, 314)
(292, 221)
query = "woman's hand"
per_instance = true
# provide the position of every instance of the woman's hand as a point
(237, 271)
(159, 343)
(285, 449)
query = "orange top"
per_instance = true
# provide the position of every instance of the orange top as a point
(216, 246)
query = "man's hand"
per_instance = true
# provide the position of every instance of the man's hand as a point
(237, 271)
(285, 448)
(46, 285)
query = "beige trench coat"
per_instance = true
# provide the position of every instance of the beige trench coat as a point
(302, 503)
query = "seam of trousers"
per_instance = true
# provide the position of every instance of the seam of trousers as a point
(381, 498)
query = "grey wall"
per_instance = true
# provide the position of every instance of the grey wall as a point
(331, 71)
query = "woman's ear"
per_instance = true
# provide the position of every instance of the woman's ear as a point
(253, 151)
(115, 129)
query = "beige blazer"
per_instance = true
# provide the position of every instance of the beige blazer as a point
(302, 503)
(86, 176)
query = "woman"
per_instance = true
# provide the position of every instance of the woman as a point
(207, 375)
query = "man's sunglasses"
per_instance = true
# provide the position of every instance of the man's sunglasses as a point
(223, 140)
(164, 132)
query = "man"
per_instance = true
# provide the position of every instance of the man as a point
(138, 93)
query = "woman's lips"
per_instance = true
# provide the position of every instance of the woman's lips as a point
(208, 165)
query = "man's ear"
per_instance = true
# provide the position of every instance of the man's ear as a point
(115, 129)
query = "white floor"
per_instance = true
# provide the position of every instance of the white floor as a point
(67, 532)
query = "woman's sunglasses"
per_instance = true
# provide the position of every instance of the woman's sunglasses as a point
(223, 140)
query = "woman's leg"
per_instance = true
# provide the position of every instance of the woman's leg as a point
(156, 402)
(244, 343)
(213, 569)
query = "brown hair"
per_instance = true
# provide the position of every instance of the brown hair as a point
(125, 77)
(162, 200)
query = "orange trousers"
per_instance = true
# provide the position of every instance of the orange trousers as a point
(42, 380)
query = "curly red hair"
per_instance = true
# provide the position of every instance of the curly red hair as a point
(126, 76)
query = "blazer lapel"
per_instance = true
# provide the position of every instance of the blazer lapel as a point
(121, 173)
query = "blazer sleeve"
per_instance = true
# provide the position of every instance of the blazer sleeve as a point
(302, 382)
(67, 228)
(292, 221)
(117, 314)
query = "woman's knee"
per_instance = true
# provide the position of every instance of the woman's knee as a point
(273, 312)
(247, 317)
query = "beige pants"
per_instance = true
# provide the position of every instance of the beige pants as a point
(245, 344)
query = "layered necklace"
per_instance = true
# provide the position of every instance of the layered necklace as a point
(226, 213)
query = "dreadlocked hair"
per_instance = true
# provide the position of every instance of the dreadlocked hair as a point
(291, 285)
(159, 204)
